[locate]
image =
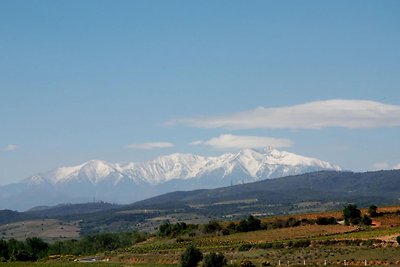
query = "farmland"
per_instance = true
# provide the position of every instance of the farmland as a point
(309, 244)
(47, 229)
(329, 244)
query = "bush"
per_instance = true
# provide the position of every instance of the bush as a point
(373, 211)
(246, 263)
(245, 247)
(325, 221)
(366, 220)
(292, 222)
(249, 224)
(232, 227)
(214, 260)
(398, 239)
(278, 245)
(191, 257)
(212, 227)
(301, 243)
(166, 229)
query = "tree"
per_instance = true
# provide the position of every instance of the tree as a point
(37, 247)
(164, 229)
(3, 250)
(232, 227)
(253, 223)
(373, 211)
(214, 260)
(242, 226)
(14, 247)
(212, 227)
(191, 256)
(249, 224)
(366, 220)
(351, 214)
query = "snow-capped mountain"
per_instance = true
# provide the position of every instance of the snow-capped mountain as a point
(128, 182)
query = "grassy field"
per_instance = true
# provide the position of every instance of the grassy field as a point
(47, 229)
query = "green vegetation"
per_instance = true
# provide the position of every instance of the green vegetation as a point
(246, 263)
(214, 260)
(191, 257)
(351, 214)
(373, 211)
(30, 250)
(312, 238)
(96, 243)
(167, 229)
(78, 264)
(326, 221)
(35, 248)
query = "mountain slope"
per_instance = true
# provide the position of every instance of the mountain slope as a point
(380, 187)
(128, 182)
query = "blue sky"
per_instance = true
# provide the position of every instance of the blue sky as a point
(130, 80)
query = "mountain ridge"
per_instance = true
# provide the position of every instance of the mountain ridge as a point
(185, 166)
(310, 192)
(129, 182)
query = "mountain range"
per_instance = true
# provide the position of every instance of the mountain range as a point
(129, 182)
(304, 193)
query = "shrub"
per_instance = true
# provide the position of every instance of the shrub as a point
(278, 245)
(325, 221)
(366, 220)
(292, 222)
(214, 260)
(246, 263)
(212, 227)
(232, 227)
(301, 243)
(191, 256)
(249, 224)
(245, 247)
(373, 211)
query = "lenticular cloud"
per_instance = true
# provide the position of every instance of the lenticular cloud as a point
(312, 115)
(229, 141)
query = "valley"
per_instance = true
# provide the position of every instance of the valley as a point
(294, 220)
(302, 243)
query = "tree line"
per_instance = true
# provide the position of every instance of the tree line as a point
(34, 248)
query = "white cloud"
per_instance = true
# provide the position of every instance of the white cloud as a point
(151, 145)
(385, 166)
(381, 166)
(312, 115)
(229, 141)
(10, 147)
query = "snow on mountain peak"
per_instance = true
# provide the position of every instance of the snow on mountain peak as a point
(96, 170)
(255, 163)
